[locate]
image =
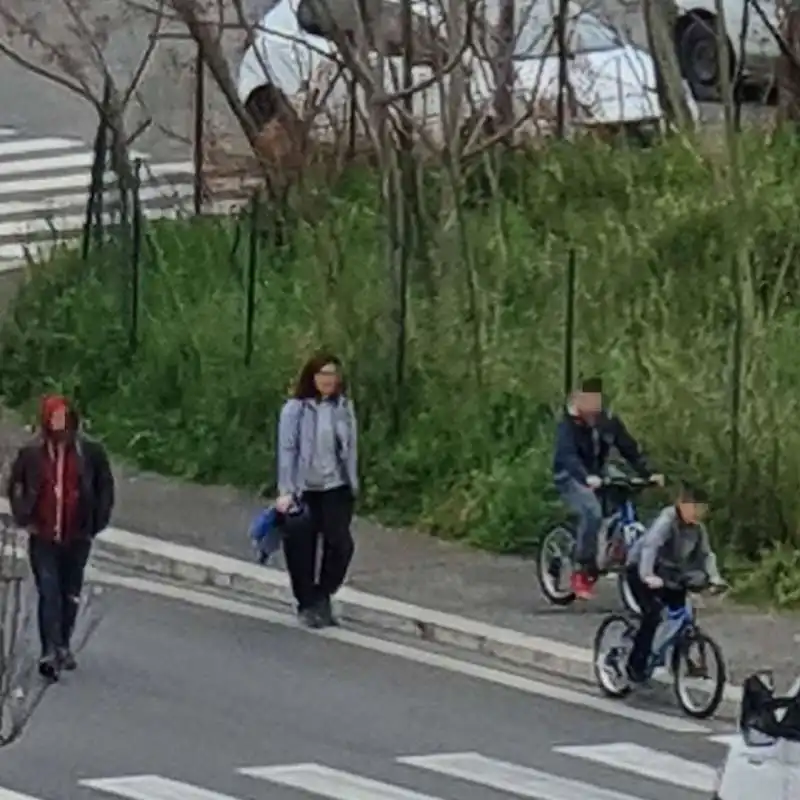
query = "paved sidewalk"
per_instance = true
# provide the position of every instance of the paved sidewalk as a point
(418, 569)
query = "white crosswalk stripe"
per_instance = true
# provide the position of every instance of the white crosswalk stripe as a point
(629, 762)
(512, 778)
(43, 192)
(647, 763)
(152, 787)
(333, 783)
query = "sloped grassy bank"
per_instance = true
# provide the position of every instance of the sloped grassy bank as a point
(655, 239)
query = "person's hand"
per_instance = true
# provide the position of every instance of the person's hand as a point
(657, 478)
(284, 503)
(718, 586)
(653, 582)
(594, 481)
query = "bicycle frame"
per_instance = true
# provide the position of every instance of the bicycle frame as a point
(623, 516)
(685, 617)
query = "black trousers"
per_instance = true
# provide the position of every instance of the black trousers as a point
(651, 602)
(331, 514)
(58, 572)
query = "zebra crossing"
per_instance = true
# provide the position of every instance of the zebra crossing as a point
(663, 770)
(43, 192)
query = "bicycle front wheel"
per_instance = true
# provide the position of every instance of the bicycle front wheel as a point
(698, 673)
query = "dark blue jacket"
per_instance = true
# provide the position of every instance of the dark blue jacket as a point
(583, 450)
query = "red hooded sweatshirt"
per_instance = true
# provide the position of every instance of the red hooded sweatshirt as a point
(56, 513)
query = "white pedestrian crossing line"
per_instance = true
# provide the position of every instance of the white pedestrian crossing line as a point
(727, 739)
(647, 763)
(152, 787)
(625, 758)
(32, 165)
(511, 778)
(22, 146)
(80, 180)
(332, 783)
(8, 794)
(44, 183)
(48, 204)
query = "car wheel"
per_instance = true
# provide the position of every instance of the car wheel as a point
(698, 56)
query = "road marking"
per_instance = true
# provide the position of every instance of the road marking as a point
(49, 203)
(46, 164)
(21, 146)
(152, 787)
(499, 677)
(15, 251)
(647, 763)
(59, 225)
(10, 794)
(333, 783)
(511, 778)
(727, 739)
(81, 179)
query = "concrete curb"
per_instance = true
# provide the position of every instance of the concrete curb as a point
(202, 568)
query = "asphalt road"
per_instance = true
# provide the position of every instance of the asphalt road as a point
(165, 688)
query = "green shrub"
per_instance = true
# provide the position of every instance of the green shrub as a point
(656, 238)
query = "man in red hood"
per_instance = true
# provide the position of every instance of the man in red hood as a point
(61, 491)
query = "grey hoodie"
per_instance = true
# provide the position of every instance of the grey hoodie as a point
(674, 544)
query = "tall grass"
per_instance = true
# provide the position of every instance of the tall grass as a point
(654, 237)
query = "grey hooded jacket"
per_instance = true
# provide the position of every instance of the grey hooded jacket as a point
(675, 545)
(297, 438)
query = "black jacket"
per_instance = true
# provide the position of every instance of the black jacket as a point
(583, 450)
(96, 500)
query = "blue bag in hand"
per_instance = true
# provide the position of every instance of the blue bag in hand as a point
(265, 534)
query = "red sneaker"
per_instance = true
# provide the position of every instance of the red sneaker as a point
(582, 585)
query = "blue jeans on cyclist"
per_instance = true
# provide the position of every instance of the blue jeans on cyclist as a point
(652, 603)
(586, 506)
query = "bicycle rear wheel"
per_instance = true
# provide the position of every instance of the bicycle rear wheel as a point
(697, 657)
(612, 646)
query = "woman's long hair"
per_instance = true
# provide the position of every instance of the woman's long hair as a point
(304, 387)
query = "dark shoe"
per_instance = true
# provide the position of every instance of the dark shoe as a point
(66, 660)
(634, 676)
(309, 618)
(48, 668)
(325, 614)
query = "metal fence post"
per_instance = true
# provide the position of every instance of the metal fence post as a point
(199, 104)
(136, 254)
(569, 327)
(252, 264)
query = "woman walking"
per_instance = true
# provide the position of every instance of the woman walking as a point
(318, 480)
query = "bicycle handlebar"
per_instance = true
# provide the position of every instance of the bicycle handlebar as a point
(628, 482)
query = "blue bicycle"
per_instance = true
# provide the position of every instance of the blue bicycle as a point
(621, 528)
(679, 642)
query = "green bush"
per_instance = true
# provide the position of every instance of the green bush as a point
(656, 236)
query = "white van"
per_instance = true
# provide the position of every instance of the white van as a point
(764, 760)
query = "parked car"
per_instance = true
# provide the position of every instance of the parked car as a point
(764, 759)
(696, 42)
(612, 81)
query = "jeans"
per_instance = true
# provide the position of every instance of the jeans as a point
(586, 506)
(651, 602)
(331, 514)
(58, 572)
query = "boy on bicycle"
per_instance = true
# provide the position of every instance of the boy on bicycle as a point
(676, 544)
(585, 436)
